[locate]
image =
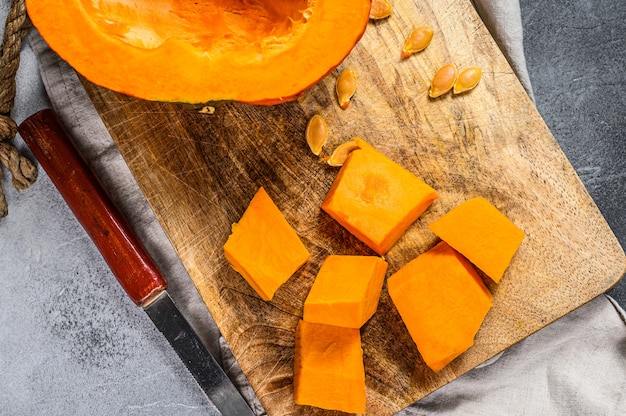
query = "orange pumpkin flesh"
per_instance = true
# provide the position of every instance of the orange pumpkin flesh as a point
(263, 247)
(262, 52)
(375, 198)
(484, 235)
(442, 302)
(346, 291)
(328, 368)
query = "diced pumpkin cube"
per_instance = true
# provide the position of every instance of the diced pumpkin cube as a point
(328, 368)
(346, 290)
(480, 232)
(375, 198)
(263, 247)
(442, 301)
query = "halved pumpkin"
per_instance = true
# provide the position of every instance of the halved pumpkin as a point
(254, 51)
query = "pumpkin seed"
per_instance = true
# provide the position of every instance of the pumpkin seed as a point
(380, 9)
(468, 79)
(443, 81)
(345, 87)
(340, 154)
(307, 13)
(417, 41)
(316, 134)
(207, 109)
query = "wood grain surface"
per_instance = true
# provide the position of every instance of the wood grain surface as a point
(199, 171)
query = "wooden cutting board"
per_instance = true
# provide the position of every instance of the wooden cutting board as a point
(199, 171)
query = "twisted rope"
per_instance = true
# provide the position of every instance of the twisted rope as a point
(23, 170)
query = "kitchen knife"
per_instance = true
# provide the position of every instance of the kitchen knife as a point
(128, 259)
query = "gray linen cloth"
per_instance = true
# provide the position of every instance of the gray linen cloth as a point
(576, 365)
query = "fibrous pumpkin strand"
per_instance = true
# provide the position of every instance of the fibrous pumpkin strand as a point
(345, 87)
(468, 79)
(316, 134)
(417, 41)
(380, 9)
(443, 81)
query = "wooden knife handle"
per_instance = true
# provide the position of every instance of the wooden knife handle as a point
(128, 259)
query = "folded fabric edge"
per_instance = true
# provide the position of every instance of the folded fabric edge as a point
(618, 309)
(503, 19)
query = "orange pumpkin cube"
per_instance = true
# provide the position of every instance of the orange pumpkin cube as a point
(375, 198)
(346, 291)
(263, 247)
(442, 301)
(328, 368)
(480, 232)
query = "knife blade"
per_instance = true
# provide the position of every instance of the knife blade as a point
(125, 255)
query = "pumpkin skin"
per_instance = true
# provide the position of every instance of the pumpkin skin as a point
(258, 51)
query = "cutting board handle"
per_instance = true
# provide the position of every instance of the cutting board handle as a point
(129, 261)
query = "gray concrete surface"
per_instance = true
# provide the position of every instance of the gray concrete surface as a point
(576, 59)
(71, 341)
